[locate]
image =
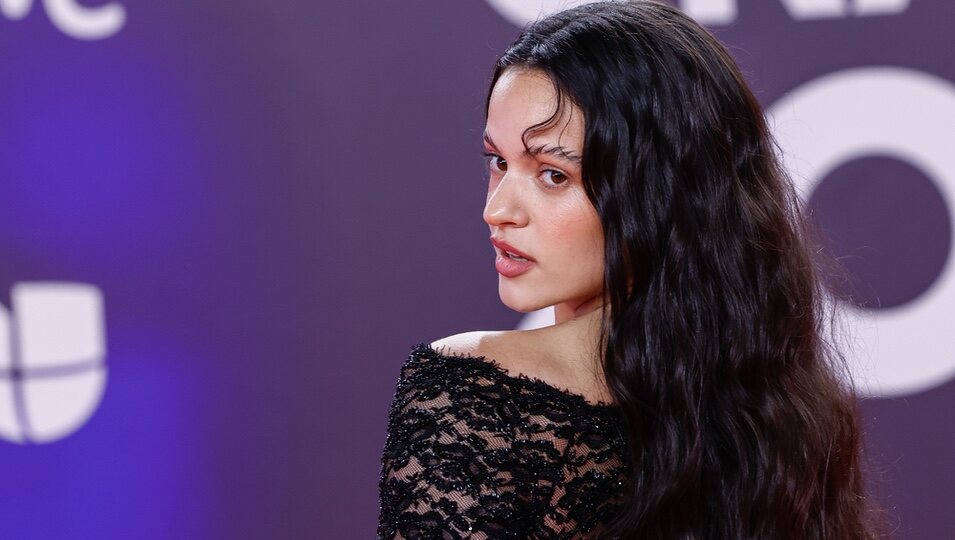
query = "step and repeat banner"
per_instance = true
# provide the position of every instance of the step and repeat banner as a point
(223, 226)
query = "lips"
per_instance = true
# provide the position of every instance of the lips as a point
(504, 246)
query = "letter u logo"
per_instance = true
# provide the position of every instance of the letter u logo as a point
(52, 352)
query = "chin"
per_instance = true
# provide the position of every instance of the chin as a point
(521, 303)
(518, 308)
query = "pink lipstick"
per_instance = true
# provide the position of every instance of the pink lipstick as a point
(510, 261)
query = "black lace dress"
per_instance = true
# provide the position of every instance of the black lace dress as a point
(473, 451)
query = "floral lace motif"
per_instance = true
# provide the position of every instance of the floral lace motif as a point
(475, 452)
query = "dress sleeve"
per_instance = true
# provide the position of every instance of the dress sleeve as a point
(450, 465)
(429, 485)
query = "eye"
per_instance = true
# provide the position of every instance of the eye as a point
(555, 177)
(495, 162)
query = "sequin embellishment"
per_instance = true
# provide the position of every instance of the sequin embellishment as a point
(473, 451)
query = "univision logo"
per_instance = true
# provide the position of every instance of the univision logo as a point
(52, 353)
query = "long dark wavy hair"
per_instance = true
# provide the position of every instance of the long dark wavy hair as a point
(742, 418)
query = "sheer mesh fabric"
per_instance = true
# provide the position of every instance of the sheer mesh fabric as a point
(473, 451)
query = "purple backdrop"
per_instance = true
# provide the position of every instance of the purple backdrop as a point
(269, 203)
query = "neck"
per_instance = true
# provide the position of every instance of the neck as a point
(573, 341)
(576, 326)
(567, 311)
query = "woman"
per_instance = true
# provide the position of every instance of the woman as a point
(686, 389)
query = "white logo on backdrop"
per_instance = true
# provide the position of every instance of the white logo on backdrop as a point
(72, 18)
(537, 319)
(713, 12)
(908, 115)
(52, 351)
(716, 12)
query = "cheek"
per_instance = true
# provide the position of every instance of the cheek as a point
(574, 228)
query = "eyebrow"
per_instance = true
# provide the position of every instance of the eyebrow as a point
(558, 151)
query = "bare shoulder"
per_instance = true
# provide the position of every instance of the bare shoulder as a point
(476, 343)
(528, 353)
(511, 349)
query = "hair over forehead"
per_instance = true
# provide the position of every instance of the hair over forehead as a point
(561, 116)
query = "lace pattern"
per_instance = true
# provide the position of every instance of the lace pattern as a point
(475, 452)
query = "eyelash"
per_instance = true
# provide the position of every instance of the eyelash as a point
(489, 157)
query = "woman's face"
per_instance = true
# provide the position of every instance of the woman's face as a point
(536, 201)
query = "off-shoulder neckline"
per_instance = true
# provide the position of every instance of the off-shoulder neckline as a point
(493, 366)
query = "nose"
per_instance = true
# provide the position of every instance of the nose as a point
(504, 202)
